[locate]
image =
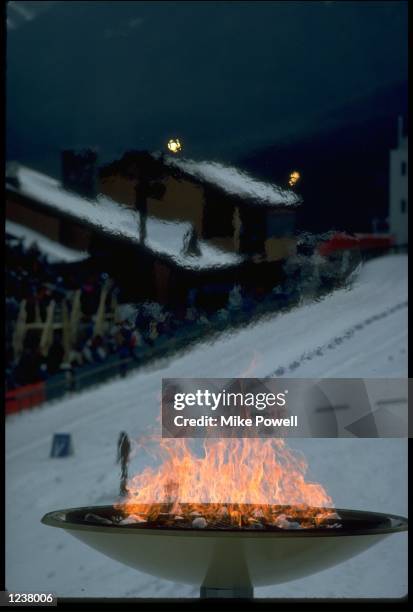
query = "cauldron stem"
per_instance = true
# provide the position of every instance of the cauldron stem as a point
(237, 581)
(234, 593)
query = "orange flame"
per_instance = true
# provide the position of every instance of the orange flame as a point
(244, 478)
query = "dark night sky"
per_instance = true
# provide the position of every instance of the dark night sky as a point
(227, 77)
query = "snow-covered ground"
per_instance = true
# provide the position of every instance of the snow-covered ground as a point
(371, 320)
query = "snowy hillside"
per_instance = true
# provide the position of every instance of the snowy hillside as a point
(357, 332)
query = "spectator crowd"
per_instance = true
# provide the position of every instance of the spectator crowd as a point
(128, 336)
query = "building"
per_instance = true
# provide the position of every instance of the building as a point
(225, 206)
(398, 197)
(169, 230)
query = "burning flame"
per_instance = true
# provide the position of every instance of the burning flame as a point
(241, 475)
(174, 145)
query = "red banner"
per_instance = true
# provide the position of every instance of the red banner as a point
(25, 397)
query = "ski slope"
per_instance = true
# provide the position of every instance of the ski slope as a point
(356, 332)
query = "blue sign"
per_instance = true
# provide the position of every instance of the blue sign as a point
(61, 445)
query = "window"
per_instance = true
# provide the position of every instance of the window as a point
(403, 168)
(403, 206)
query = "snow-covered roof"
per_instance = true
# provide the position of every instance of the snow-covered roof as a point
(163, 238)
(54, 250)
(236, 182)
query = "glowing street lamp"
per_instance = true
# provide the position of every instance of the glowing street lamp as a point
(294, 178)
(174, 145)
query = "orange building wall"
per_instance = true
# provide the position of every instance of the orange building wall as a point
(182, 200)
(37, 220)
(64, 231)
(119, 188)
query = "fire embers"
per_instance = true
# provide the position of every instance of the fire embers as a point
(225, 516)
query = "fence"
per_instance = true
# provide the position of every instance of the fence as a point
(66, 383)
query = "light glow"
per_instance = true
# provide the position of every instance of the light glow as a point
(294, 178)
(174, 145)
